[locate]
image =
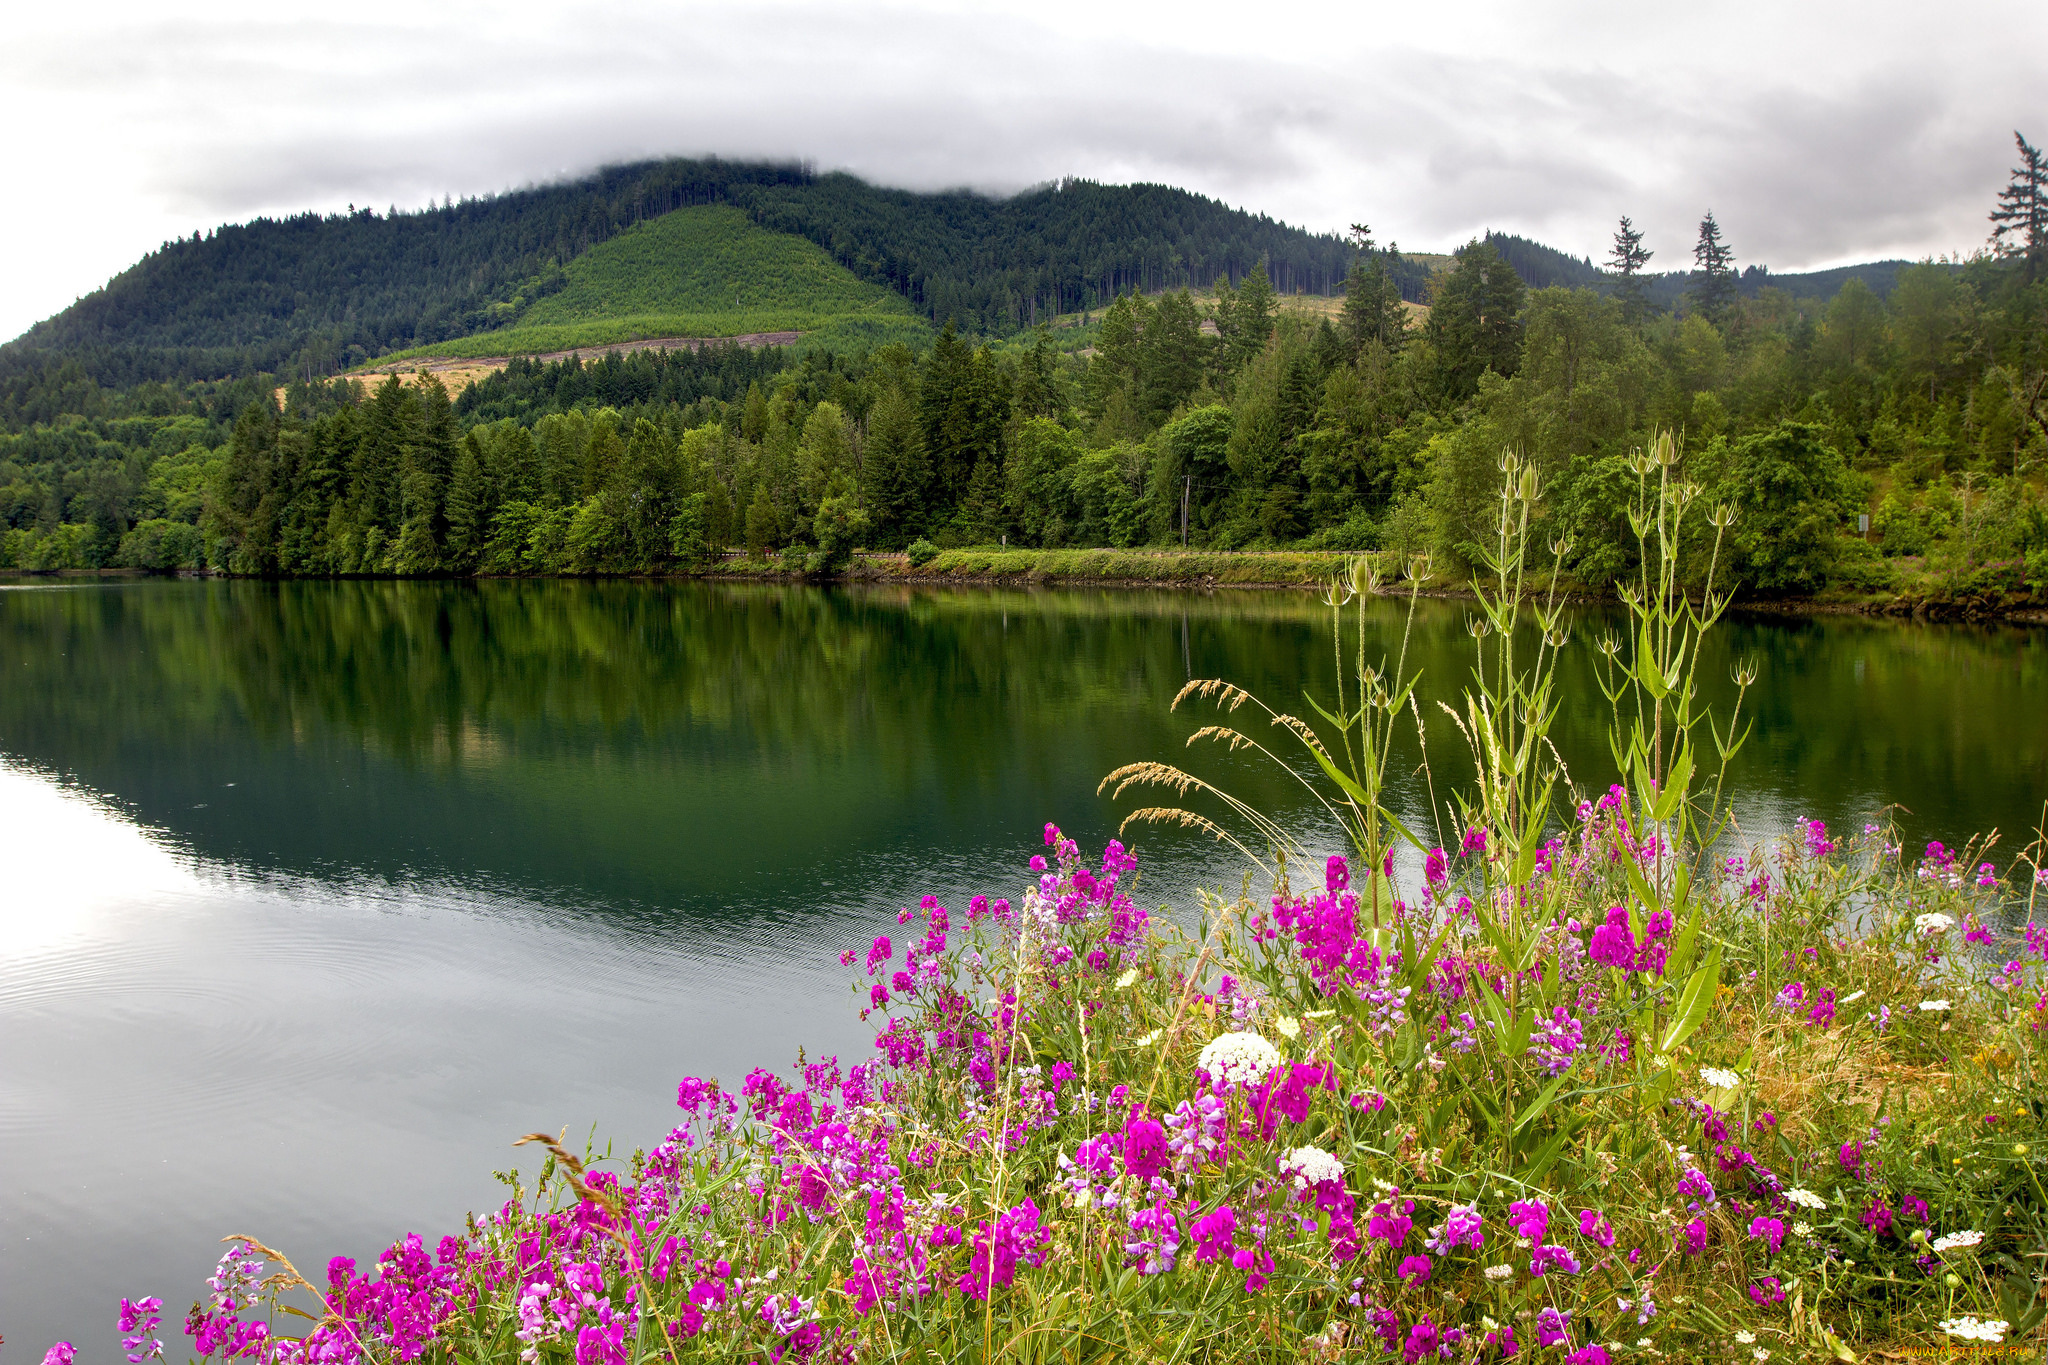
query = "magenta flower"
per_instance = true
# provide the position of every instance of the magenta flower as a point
(1436, 867)
(1414, 1269)
(1553, 1328)
(1214, 1234)
(1545, 1259)
(1336, 874)
(1592, 1225)
(63, 1353)
(1767, 1292)
(1771, 1230)
(1145, 1152)
(1613, 943)
(1529, 1218)
(1423, 1342)
(881, 952)
(1588, 1355)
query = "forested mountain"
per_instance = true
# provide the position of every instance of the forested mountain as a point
(1236, 419)
(313, 293)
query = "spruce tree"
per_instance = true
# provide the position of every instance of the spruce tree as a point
(2020, 222)
(465, 507)
(1713, 285)
(1627, 261)
(1372, 300)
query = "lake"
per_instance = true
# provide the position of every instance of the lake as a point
(319, 894)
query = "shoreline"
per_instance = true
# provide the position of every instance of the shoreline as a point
(1187, 571)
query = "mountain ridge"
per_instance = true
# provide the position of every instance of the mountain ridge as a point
(314, 294)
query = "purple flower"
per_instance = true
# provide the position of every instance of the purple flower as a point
(1015, 1238)
(1475, 841)
(1214, 1233)
(1553, 1328)
(1545, 1259)
(881, 952)
(1145, 1153)
(63, 1353)
(1529, 1218)
(1696, 1237)
(1613, 944)
(1436, 867)
(1589, 1355)
(1336, 874)
(1423, 1341)
(1595, 1227)
(1461, 1227)
(1414, 1269)
(1771, 1230)
(1767, 1291)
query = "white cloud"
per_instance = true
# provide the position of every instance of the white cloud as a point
(1821, 136)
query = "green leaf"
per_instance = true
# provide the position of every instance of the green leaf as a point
(1694, 1003)
(1541, 1102)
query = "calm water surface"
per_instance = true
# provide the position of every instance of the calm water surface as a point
(316, 895)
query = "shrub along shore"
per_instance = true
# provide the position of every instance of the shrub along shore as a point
(1997, 591)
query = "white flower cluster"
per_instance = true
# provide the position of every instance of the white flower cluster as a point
(1931, 1006)
(1955, 1241)
(1970, 1329)
(1934, 922)
(1720, 1077)
(1310, 1166)
(1498, 1272)
(1805, 1199)
(1239, 1058)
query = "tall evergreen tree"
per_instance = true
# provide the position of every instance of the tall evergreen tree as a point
(1247, 319)
(1713, 290)
(2020, 222)
(1372, 299)
(1474, 321)
(1627, 261)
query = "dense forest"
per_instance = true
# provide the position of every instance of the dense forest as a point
(1238, 419)
(314, 294)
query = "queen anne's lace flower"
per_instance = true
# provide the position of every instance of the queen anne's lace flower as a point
(1311, 1166)
(1955, 1241)
(1239, 1058)
(1931, 1006)
(1971, 1329)
(1720, 1077)
(1934, 922)
(1806, 1199)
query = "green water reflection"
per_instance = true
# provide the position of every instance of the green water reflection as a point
(643, 746)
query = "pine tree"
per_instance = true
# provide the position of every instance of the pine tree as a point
(1251, 319)
(761, 523)
(1372, 300)
(1627, 261)
(2021, 218)
(1713, 287)
(465, 508)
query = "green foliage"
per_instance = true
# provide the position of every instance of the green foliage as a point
(921, 553)
(839, 528)
(1788, 488)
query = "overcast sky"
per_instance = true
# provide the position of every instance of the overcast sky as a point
(1819, 134)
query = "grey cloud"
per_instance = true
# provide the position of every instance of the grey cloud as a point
(1429, 148)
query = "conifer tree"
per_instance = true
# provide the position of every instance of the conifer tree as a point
(2020, 222)
(1627, 261)
(465, 508)
(1249, 320)
(1713, 286)
(1372, 300)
